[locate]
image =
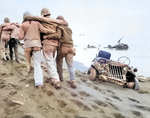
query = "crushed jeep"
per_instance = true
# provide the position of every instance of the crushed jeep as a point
(102, 68)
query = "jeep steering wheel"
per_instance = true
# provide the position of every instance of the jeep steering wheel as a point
(124, 60)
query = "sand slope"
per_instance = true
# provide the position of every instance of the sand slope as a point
(91, 99)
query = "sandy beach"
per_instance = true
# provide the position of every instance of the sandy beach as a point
(19, 98)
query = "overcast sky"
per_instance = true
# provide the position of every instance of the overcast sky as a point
(87, 16)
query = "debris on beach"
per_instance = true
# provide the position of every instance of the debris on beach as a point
(119, 46)
(18, 102)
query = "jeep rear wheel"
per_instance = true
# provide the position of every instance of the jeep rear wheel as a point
(93, 74)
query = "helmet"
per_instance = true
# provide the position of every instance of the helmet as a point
(45, 11)
(60, 18)
(25, 14)
(6, 20)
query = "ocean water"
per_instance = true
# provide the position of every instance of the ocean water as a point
(138, 52)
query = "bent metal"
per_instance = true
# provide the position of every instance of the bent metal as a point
(111, 71)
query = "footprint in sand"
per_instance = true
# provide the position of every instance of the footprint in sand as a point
(83, 80)
(32, 96)
(81, 105)
(50, 93)
(62, 103)
(95, 87)
(113, 106)
(27, 116)
(116, 97)
(143, 108)
(11, 74)
(73, 94)
(100, 103)
(2, 86)
(137, 114)
(110, 91)
(2, 83)
(108, 99)
(118, 115)
(77, 102)
(9, 111)
(22, 80)
(83, 93)
(31, 80)
(3, 74)
(133, 100)
(143, 91)
(10, 103)
(12, 92)
(94, 106)
(16, 87)
(62, 94)
(86, 108)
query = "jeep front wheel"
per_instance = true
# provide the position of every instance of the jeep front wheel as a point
(93, 74)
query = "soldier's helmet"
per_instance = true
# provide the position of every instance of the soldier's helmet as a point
(45, 12)
(25, 14)
(6, 20)
(60, 18)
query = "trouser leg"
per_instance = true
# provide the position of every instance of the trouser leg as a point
(55, 55)
(42, 57)
(50, 62)
(7, 52)
(28, 55)
(38, 73)
(10, 48)
(59, 61)
(3, 56)
(16, 51)
(69, 61)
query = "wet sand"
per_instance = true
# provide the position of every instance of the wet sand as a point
(91, 99)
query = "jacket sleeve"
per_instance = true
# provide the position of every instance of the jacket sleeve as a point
(55, 36)
(8, 27)
(46, 30)
(21, 33)
(17, 24)
(57, 21)
(61, 22)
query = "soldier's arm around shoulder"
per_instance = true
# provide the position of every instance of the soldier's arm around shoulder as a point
(57, 21)
(61, 22)
(8, 26)
(55, 36)
(45, 30)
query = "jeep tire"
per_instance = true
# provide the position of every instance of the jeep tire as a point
(93, 74)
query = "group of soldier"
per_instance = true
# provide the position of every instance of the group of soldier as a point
(53, 42)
